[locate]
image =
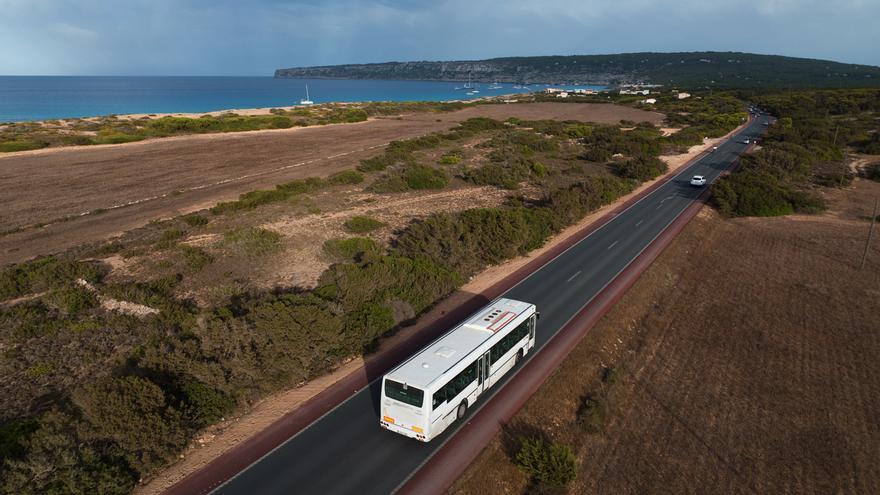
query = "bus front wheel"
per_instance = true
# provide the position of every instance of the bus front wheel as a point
(462, 408)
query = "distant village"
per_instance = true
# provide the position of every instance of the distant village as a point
(645, 90)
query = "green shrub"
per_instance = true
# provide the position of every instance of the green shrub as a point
(205, 405)
(642, 168)
(393, 183)
(360, 224)
(388, 279)
(468, 241)
(424, 177)
(760, 194)
(550, 464)
(116, 138)
(24, 145)
(57, 461)
(346, 177)
(369, 321)
(195, 220)
(73, 299)
(134, 413)
(44, 274)
(479, 124)
(195, 258)
(450, 159)
(350, 248)
(252, 241)
(572, 203)
(282, 192)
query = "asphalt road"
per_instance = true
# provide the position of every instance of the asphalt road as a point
(347, 452)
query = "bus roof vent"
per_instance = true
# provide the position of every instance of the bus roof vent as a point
(445, 351)
(493, 320)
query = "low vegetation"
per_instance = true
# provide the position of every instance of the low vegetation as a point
(551, 465)
(361, 224)
(804, 149)
(179, 367)
(23, 136)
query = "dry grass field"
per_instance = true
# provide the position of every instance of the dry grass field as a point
(121, 187)
(745, 361)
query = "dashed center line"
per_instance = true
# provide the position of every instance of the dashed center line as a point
(573, 276)
(640, 222)
(613, 244)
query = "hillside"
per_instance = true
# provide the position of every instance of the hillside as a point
(719, 69)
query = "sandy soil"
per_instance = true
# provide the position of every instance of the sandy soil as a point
(220, 438)
(747, 356)
(125, 186)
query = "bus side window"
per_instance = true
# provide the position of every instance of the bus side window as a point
(439, 397)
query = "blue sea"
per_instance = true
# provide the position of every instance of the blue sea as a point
(54, 97)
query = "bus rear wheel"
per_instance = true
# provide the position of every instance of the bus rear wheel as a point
(462, 409)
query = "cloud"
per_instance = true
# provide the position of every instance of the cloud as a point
(255, 37)
(72, 31)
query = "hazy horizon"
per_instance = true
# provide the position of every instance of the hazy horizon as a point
(226, 38)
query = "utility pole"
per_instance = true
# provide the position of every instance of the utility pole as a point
(870, 232)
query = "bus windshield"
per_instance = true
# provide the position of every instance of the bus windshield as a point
(404, 393)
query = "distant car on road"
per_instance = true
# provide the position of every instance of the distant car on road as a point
(745, 141)
(698, 180)
(714, 148)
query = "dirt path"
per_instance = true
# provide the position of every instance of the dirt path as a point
(172, 176)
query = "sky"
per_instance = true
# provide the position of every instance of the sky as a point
(255, 37)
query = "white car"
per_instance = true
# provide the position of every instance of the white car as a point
(714, 149)
(745, 141)
(698, 180)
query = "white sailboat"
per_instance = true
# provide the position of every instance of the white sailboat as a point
(467, 84)
(306, 101)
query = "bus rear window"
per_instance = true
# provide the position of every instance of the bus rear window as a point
(404, 393)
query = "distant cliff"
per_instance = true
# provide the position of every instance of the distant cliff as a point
(690, 69)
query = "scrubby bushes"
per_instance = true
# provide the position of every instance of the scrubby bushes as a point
(359, 224)
(424, 177)
(350, 248)
(252, 241)
(642, 168)
(572, 203)
(195, 258)
(346, 177)
(282, 192)
(44, 274)
(550, 464)
(754, 193)
(195, 220)
(23, 145)
(605, 141)
(411, 177)
(872, 171)
(135, 414)
(468, 241)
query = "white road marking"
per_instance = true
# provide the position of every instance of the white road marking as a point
(640, 222)
(613, 244)
(573, 276)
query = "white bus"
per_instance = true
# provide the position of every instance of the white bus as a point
(425, 394)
